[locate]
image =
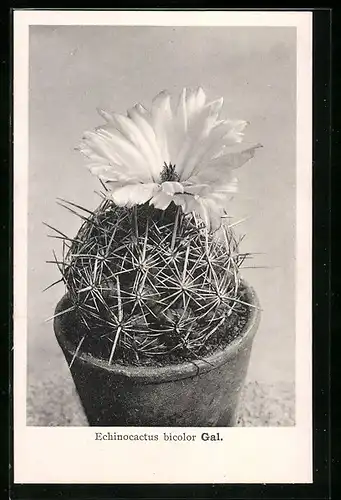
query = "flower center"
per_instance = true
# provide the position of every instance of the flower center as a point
(168, 173)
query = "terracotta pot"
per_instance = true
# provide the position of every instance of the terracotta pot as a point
(187, 394)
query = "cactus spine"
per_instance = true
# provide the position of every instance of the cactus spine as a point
(145, 283)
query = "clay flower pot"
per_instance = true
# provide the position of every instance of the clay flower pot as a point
(202, 393)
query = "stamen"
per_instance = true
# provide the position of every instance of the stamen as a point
(168, 173)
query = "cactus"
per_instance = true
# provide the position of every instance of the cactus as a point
(153, 273)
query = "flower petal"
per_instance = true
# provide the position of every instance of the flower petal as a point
(210, 213)
(198, 130)
(172, 187)
(133, 194)
(161, 200)
(161, 113)
(117, 150)
(219, 170)
(181, 113)
(133, 134)
(197, 189)
(234, 159)
(187, 202)
(216, 106)
(178, 129)
(235, 134)
(208, 146)
(143, 121)
(200, 98)
(110, 173)
(195, 102)
(222, 194)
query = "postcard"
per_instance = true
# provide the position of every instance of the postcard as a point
(162, 246)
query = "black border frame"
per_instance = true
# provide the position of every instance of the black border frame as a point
(321, 487)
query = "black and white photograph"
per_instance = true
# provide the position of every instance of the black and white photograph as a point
(162, 222)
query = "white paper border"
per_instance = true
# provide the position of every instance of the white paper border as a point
(247, 455)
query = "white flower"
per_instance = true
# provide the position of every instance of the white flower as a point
(185, 155)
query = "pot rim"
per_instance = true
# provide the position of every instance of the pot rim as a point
(158, 374)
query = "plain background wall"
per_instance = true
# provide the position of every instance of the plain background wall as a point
(75, 69)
